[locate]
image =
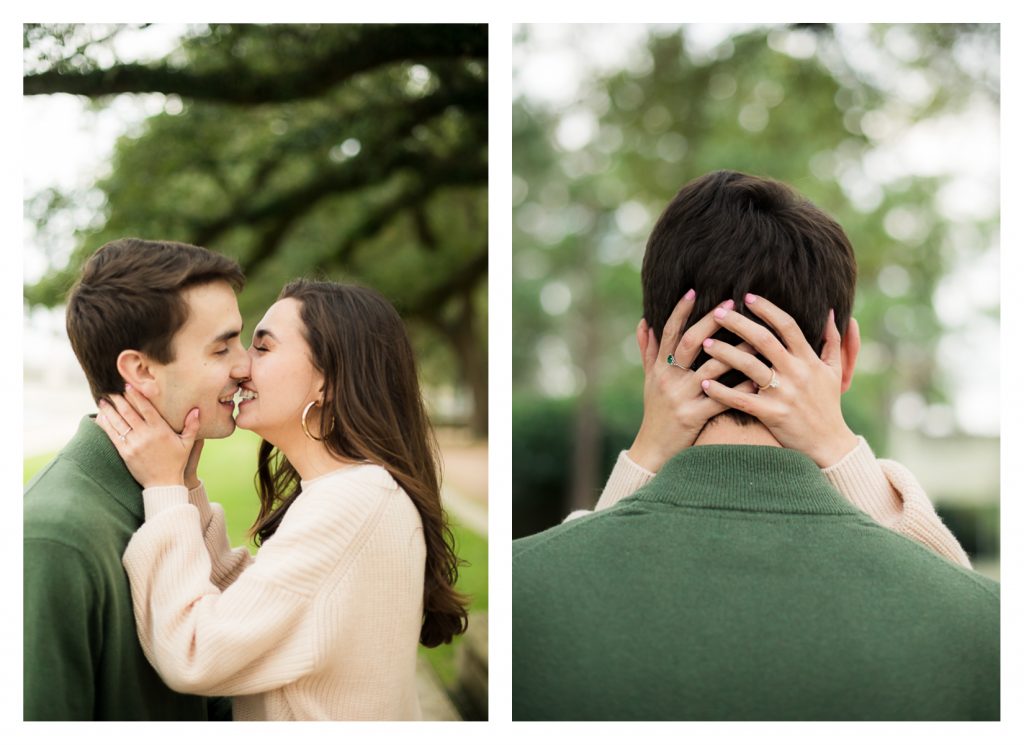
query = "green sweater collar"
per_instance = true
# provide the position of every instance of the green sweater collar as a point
(95, 453)
(752, 478)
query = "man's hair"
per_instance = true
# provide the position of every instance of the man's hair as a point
(129, 296)
(726, 234)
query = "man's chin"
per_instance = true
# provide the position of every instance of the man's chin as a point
(219, 432)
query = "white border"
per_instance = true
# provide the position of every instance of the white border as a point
(501, 17)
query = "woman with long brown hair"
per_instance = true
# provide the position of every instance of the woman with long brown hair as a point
(356, 565)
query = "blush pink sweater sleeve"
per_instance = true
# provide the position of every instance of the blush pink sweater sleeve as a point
(226, 563)
(885, 490)
(323, 623)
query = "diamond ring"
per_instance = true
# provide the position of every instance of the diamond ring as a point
(773, 383)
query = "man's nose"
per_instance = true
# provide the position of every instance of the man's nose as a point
(240, 370)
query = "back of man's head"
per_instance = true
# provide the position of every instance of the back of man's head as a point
(726, 234)
(129, 296)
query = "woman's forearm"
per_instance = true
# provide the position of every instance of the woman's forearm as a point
(226, 562)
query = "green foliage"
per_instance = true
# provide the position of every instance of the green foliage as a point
(543, 445)
(376, 176)
(541, 448)
(581, 215)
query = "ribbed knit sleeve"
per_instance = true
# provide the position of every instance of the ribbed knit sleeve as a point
(276, 623)
(624, 479)
(226, 562)
(890, 494)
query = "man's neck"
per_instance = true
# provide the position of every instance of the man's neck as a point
(724, 431)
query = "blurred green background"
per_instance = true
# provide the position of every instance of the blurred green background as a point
(891, 129)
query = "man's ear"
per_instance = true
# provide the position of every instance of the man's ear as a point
(136, 369)
(849, 347)
(647, 343)
(641, 339)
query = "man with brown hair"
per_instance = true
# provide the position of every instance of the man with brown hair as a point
(738, 583)
(163, 318)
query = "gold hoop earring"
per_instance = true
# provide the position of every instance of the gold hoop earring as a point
(305, 429)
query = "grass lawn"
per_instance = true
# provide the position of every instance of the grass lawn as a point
(228, 467)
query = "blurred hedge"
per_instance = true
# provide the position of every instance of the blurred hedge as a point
(542, 452)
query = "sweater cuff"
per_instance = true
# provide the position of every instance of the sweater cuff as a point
(198, 498)
(625, 479)
(636, 466)
(859, 478)
(575, 514)
(159, 498)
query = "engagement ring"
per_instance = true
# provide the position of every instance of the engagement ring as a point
(672, 361)
(773, 383)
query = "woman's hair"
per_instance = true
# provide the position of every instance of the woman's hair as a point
(372, 412)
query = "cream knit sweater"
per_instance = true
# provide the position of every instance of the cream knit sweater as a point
(323, 624)
(884, 489)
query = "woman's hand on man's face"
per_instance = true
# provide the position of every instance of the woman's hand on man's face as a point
(802, 409)
(155, 454)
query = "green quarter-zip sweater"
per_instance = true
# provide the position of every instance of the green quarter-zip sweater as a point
(738, 584)
(82, 656)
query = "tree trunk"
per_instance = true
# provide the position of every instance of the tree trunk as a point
(586, 452)
(587, 430)
(471, 357)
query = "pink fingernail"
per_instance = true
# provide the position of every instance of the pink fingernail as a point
(127, 386)
(705, 384)
(708, 343)
(750, 298)
(690, 294)
(720, 313)
(729, 304)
